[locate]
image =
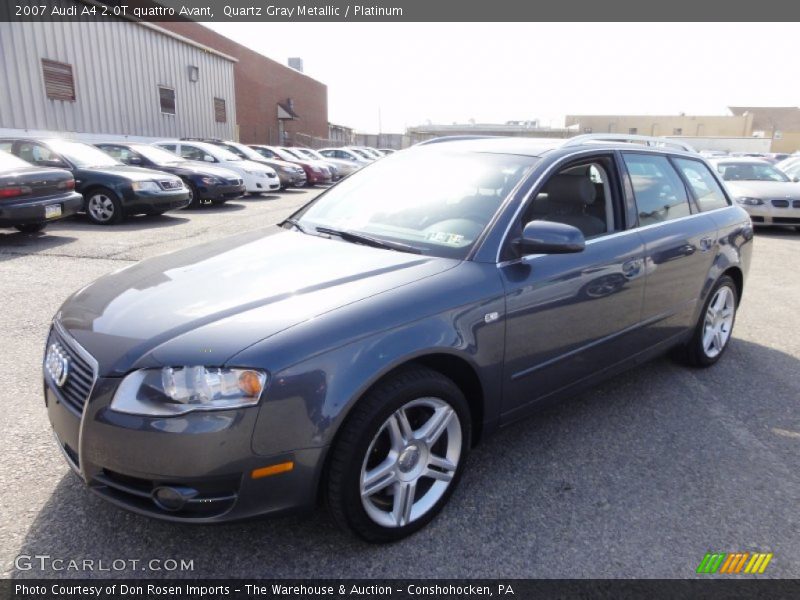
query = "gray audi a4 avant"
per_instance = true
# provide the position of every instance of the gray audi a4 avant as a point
(355, 354)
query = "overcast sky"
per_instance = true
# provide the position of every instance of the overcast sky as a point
(496, 72)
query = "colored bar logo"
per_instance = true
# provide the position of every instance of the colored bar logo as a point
(734, 562)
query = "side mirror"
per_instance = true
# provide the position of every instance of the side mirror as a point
(796, 179)
(548, 237)
(134, 160)
(209, 158)
(55, 163)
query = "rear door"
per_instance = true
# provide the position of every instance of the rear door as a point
(680, 244)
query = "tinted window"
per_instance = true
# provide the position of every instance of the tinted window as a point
(658, 189)
(37, 154)
(192, 153)
(170, 147)
(706, 189)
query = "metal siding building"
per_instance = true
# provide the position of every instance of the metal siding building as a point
(117, 69)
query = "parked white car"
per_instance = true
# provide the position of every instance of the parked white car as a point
(769, 195)
(257, 178)
(345, 167)
(346, 155)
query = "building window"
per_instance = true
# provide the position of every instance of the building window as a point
(633, 130)
(59, 84)
(220, 115)
(587, 130)
(166, 97)
(677, 131)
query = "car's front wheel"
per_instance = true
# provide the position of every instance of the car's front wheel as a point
(104, 207)
(399, 455)
(715, 325)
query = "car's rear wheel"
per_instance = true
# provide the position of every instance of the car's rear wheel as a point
(103, 207)
(399, 455)
(31, 227)
(715, 325)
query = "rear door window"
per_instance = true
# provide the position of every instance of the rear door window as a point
(706, 190)
(658, 189)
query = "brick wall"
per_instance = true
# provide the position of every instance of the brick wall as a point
(260, 84)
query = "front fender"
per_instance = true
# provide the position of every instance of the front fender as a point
(307, 402)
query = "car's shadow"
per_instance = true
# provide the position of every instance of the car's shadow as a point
(655, 457)
(230, 206)
(14, 244)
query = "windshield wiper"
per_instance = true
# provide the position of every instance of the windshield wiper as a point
(296, 224)
(360, 238)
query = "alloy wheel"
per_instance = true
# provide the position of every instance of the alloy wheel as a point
(718, 322)
(411, 462)
(101, 207)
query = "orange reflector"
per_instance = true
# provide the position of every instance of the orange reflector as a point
(272, 470)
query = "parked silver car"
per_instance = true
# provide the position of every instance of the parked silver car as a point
(345, 167)
(768, 194)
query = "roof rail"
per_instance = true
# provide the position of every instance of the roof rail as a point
(452, 138)
(644, 140)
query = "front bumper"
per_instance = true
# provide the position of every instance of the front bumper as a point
(27, 212)
(221, 192)
(152, 202)
(125, 458)
(256, 184)
(292, 179)
(769, 214)
(315, 178)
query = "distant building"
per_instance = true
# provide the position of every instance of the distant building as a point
(112, 79)
(419, 133)
(673, 125)
(340, 135)
(780, 123)
(275, 104)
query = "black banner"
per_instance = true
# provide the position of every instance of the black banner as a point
(550, 589)
(402, 11)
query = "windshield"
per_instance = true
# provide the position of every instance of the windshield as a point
(294, 153)
(158, 156)
(9, 161)
(82, 155)
(360, 153)
(306, 153)
(750, 171)
(245, 152)
(285, 154)
(440, 215)
(222, 154)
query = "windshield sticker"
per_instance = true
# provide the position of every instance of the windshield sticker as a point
(442, 237)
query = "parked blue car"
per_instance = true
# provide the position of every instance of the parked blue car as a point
(357, 353)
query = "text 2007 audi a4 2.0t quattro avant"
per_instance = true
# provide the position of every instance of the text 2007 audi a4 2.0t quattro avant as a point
(357, 352)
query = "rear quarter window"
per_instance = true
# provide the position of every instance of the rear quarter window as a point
(707, 191)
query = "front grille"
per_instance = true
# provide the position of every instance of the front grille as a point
(171, 184)
(795, 203)
(786, 220)
(80, 375)
(780, 203)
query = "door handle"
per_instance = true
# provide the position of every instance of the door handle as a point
(706, 243)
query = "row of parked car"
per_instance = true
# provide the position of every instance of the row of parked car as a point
(43, 180)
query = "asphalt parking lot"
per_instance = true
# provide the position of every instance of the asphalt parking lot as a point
(638, 478)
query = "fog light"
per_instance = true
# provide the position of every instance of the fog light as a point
(172, 498)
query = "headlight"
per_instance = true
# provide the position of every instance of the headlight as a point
(179, 390)
(750, 201)
(146, 186)
(210, 180)
(288, 169)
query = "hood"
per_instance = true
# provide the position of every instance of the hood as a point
(251, 165)
(127, 172)
(205, 304)
(766, 190)
(201, 168)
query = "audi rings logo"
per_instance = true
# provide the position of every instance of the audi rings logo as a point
(56, 362)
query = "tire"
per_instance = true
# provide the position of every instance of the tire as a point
(196, 201)
(31, 227)
(375, 435)
(703, 349)
(103, 207)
